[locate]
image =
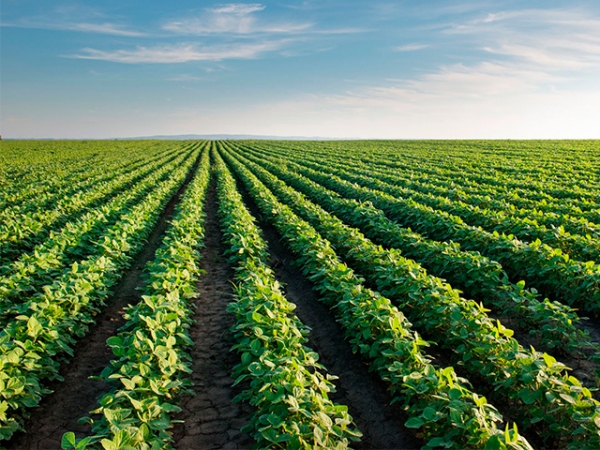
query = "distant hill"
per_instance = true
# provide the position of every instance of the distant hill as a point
(185, 137)
(239, 136)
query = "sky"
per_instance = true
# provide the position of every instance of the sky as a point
(340, 69)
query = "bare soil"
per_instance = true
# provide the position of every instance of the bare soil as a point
(211, 419)
(77, 395)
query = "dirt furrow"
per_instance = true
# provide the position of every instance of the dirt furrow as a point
(211, 419)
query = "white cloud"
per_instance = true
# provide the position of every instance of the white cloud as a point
(238, 18)
(410, 47)
(234, 24)
(565, 54)
(104, 28)
(551, 40)
(200, 26)
(85, 27)
(180, 53)
(238, 8)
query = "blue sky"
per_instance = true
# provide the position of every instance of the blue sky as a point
(365, 69)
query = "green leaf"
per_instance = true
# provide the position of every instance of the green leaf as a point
(246, 358)
(34, 327)
(414, 422)
(529, 397)
(107, 444)
(137, 404)
(429, 413)
(269, 434)
(171, 341)
(494, 443)
(16, 384)
(13, 356)
(437, 442)
(274, 420)
(170, 408)
(3, 409)
(318, 433)
(255, 346)
(129, 384)
(82, 444)
(454, 394)
(144, 432)
(568, 398)
(68, 441)
(549, 360)
(114, 341)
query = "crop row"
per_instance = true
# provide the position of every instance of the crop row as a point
(576, 245)
(535, 385)
(566, 178)
(523, 222)
(152, 362)
(23, 231)
(545, 268)
(526, 229)
(447, 180)
(35, 175)
(53, 184)
(74, 242)
(438, 402)
(479, 277)
(32, 346)
(287, 386)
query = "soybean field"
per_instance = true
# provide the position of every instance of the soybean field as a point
(299, 294)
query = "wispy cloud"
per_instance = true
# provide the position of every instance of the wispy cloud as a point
(185, 78)
(527, 51)
(103, 28)
(482, 81)
(236, 25)
(529, 58)
(561, 54)
(551, 40)
(230, 24)
(85, 27)
(238, 8)
(181, 53)
(410, 47)
(236, 18)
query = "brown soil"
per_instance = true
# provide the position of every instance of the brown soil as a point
(212, 420)
(77, 395)
(363, 392)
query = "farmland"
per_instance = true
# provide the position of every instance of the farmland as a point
(287, 294)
